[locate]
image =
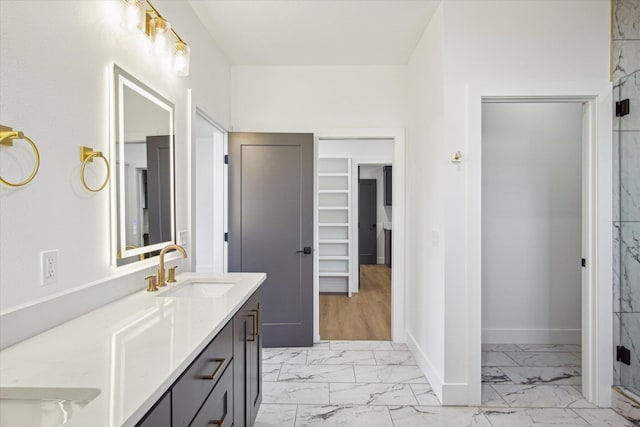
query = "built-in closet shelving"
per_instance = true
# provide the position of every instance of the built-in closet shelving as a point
(334, 227)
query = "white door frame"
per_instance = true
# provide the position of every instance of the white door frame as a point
(597, 292)
(398, 333)
(193, 112)
(355, 212)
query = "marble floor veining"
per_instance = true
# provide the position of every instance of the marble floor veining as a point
(378, 383)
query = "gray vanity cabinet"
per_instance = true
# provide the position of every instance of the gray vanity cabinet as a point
(247, 355)
(223, 385)
(159, 415)
(192, 389)
(218, 408)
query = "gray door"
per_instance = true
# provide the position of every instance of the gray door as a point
(158, 188)
(367, 219)
(270, 224)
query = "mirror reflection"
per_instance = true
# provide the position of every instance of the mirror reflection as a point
(144, 159)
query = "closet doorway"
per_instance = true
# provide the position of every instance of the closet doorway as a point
(354, 216)
(209, 195)
(532, 246)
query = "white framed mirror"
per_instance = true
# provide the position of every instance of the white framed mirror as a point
(143, 208)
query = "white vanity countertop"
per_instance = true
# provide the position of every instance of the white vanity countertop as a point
(132, 350)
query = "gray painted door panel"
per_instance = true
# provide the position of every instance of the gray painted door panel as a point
(159, 188)
(367, 219)
(270, 218)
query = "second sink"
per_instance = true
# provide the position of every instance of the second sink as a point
(41, 407)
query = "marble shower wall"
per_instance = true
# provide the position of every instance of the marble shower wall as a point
(626, 226)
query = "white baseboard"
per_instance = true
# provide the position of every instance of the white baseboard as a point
(380, 260)
(449, 394)
(434, 378)
(455, 394)
(530, 336)
(333, 288)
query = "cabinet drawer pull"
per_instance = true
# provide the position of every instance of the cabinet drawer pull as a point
(255, 315)
(217, 370)
(257, 328)
(253, 335)
(219, 423)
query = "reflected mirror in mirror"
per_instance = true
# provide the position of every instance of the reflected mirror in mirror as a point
(144, 153)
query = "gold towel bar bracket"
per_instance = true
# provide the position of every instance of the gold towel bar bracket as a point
(7, 135)
(86, 156)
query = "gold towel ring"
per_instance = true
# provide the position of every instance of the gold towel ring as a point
(86, 156)
(7, 135)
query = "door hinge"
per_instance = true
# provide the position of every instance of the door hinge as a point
(584, 262)
(622, 108)
(226, 159)
(623, 355)
(226, 237)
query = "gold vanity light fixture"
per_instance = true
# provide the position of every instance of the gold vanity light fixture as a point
(7, 135)
(86, 156)
(140, 15)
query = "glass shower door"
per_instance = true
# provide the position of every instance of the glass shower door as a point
(627, 227)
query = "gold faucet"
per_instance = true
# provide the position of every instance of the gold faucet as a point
(161, 281)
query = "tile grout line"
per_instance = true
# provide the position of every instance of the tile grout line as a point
(499, 395)
(510, 358)
(580, 416)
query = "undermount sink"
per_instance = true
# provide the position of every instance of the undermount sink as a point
(42, 407)
(199, 288)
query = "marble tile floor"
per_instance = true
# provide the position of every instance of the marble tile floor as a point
(378, 383)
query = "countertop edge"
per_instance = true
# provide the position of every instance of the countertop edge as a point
(81, 353)
(168, 382)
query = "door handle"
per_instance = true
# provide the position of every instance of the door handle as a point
(306, 250)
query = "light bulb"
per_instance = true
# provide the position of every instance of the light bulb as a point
(181, 59)
(160, 29)
(133, 16)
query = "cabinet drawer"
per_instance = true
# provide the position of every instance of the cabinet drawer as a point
(218, 408)
(159, 415)
(190, 391)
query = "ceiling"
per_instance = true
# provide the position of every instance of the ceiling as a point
(316, 32)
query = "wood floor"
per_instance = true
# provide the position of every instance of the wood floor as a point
(364, 316)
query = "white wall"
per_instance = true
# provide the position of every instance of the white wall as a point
(383, 213)
(531, 223)
(425, 188)
(55, 87)
(275, 99)
(468, 45)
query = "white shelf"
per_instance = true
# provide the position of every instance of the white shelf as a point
(333, 174)
(334, 223)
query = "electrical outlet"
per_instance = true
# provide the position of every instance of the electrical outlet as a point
(183, 238)
(49, 267)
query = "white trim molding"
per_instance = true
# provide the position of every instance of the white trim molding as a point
(531, 336)
(398, 222)
(597, 317)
